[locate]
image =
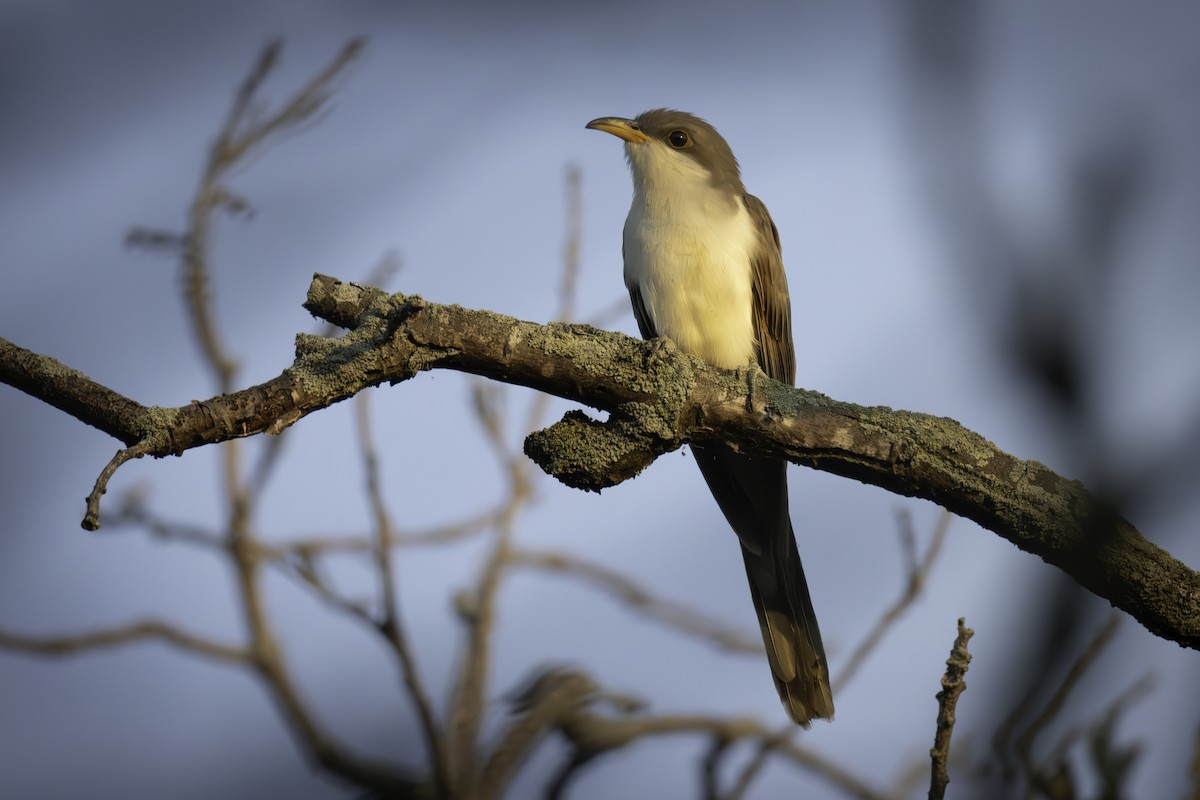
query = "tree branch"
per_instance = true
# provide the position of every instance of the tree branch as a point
(116, 637)
(952, 686)
(658, 399)
(628, 591)
(914, 584)
(593, 734)
(69, 390)
(390, 623)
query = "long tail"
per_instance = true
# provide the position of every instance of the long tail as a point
(752, 493)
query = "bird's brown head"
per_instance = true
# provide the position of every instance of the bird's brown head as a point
(654, 134)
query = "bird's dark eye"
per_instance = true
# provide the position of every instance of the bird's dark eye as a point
(679, 139)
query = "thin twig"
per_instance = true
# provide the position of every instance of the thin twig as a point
(303, 105)
(754, 766)
(918, 572)
(573, 241)
(535, 708)
(1114, 763)
(627, 591)
(566, 773)
(314, 545)
(235, 140)
(392, 625)
(710, 767)
(243, 547)
(470, 691)
(91, 517)
(264, 467)
(594, 733)
(569, 285)
(953, 684)
(469, 695)
(132, 512)
(115, 637)
(312, 578)
(1024, 742)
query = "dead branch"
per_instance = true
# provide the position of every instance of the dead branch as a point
(116, 637)
(1058, 698)
(914, 584)
(592, 734)
(391, 624)
(952, 686)
(628, 591)
(658, 399)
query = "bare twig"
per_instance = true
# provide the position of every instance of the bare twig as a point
(323, 749)
(307, 548)
(268, 660)
(69, 390)
(469, 696)
(314, 545)
(239, 137)
(573, 201)
(312, 577)
(754, 766)
(1024, 742)
(91, 518)
(235, 140)
(133, 512)
(629, 592)
(918, 572)
(1113, 763)
(391, 624)
(953, 684)
(566, 773)
(710, 767)
(594, 734)
(572, 244)
(535, 709)
(115, 637)
(470, 691)
(264, 466)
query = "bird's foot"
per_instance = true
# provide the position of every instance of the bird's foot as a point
(657, 348)
(749, 375)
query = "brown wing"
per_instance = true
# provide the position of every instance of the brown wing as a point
(752, 493)
(645, 324)
(772, 305)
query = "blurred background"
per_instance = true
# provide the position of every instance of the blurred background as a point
(988, 212)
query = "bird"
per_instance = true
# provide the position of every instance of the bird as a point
(703, 266)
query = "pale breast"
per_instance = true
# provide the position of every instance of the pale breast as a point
(690, 260)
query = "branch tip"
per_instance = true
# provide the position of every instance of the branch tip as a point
(91, 519)
(953, 684)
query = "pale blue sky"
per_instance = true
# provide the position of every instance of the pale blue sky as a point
(447, 145)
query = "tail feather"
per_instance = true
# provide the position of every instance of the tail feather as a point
(752, 493)
(789, 628)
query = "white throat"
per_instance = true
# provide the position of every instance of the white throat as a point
(688, 250)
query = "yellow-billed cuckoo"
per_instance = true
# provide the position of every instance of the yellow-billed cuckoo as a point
(703, 268)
